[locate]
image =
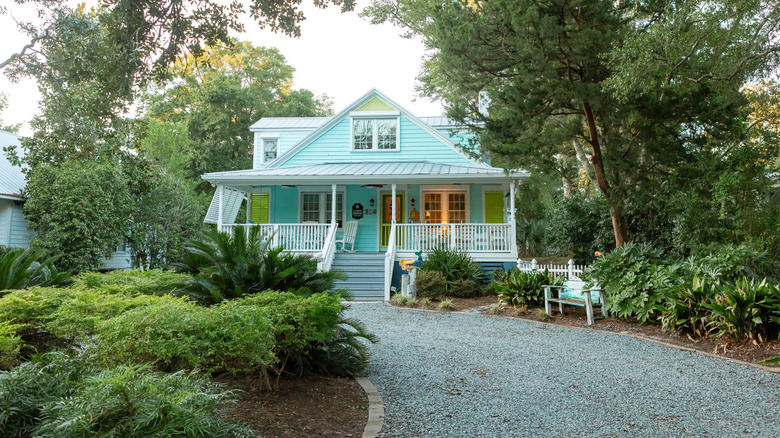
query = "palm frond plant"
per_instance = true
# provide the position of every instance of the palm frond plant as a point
(228, 266)
(21, 268)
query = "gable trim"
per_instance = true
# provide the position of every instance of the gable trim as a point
(345, 113)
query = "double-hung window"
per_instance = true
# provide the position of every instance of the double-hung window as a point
(378, 134)
(316, 207)
(270, 149)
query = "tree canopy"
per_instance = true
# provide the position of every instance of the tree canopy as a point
(643, 88)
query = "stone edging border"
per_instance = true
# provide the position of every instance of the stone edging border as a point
(376, 409)
(775, 370)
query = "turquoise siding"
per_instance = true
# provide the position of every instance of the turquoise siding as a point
(368, 226)
(284, 205)
(475, 204)
(464, 139)
(287, 139)
(416, 145)
(13, 227)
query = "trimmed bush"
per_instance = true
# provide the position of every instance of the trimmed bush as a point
(133, 282)
(464, 288)
(430, 284)
(174, 334)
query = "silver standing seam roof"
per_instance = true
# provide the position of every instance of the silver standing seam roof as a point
(303, 123)
(11, 177)
(365, 172)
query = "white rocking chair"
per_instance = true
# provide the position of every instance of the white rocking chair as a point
(348, 237)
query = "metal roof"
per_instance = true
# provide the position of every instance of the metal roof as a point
(289, 123)
(315, 122)
(11, 177)
(366, 173)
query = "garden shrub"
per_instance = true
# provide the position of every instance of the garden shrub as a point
(226, 266)
(685, 310)
(747, 309)
(58, 395)
(175, 334)
(430, 284)
(10, 343)
(133, 282)
(518, 288)
(312, 333)
(635, 279)
(454, 265)
(464, 288)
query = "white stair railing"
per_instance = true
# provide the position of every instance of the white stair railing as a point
(390, 261)
(328, 249)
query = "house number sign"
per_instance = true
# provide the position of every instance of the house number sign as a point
(357, 211)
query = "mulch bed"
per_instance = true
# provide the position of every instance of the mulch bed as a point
(575, 317)
(313, 406)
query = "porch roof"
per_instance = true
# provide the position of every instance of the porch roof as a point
(414, 172)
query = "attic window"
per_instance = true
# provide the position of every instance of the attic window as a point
(270, 149)
(374, 134)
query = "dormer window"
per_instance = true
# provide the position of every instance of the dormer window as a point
(270, 149)
(375, 134)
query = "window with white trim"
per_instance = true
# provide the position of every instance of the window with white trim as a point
(316, 207)
(270, 149)
(444, 207)
(378, 134)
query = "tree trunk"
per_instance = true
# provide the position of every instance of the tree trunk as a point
(615, 206)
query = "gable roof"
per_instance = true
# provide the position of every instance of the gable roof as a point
(11, 177)
(363, 100)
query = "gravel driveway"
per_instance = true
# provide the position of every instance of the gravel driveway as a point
(465, 375)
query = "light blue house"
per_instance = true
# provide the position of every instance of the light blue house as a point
(13, 226)
(403, 181)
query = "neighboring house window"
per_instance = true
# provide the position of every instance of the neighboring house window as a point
(444, 207)
(316, 207)
(270, 149)
(374, 134)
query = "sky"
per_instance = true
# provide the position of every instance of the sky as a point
(340, 55)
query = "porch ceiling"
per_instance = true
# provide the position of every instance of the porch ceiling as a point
(405, 172)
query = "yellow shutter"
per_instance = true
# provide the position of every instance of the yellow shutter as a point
(259, 211)
(494, 207)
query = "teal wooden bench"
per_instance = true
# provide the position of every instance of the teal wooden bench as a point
(573, 293)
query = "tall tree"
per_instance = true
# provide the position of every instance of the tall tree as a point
(641, 86)
(219, 94)
(3, 104)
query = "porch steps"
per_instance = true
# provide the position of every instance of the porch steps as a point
(366, 274)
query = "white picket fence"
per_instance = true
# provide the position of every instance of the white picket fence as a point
(569, 270)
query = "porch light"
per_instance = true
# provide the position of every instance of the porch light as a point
(412, 201)
(371, 202)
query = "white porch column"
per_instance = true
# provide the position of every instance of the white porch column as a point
(393, 204)
(221, 191)
(333, 204)
(248, 207)
(512, 220)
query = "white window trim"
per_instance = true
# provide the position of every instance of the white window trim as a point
(323, 207)
(445, 189)
(375, 115)
(263, 139)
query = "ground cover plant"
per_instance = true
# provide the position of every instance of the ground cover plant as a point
(62, 395)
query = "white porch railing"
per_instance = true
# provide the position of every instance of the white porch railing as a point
(390, 260)
(569, 270)
(473, 238)
(329, 249)
(294, 237)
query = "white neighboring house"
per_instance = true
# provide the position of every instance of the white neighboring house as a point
(13, 226)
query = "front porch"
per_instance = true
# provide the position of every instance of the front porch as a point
(395, 215)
